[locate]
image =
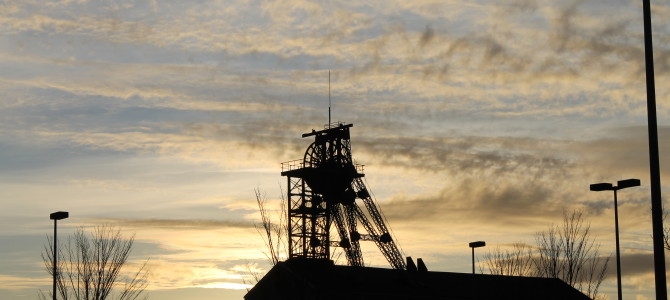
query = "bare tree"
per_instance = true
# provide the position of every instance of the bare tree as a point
(517, 261)
(568, 252)
(91, 266)
(273, 229)
(274, 234)
(251, 277)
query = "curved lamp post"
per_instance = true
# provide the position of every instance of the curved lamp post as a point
(621, 184)
(474, 245)
(59, 215)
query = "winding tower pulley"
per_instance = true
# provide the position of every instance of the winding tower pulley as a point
(325, 188)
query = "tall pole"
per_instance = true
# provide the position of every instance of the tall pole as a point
(618, 254)
(654, 168)
(55, 259)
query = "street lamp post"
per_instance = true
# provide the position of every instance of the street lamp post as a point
(474, 245)
(59, 215)
(621, 184)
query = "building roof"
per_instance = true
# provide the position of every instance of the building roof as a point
(324, 280)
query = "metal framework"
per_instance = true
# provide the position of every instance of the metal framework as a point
(325, 187)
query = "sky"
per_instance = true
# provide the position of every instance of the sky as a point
(475, 120)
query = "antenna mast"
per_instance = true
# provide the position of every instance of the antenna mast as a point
(328, 97)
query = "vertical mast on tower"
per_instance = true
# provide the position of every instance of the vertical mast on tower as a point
(328, 96)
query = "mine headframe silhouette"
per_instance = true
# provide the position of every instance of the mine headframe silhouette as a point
(327, 188)
(323, 188)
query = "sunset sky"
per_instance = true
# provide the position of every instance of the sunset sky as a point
(475, 120)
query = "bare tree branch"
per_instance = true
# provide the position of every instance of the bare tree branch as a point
(274, 234)
(567, 252)
(252, 277)
(515, 262)
(91, 266)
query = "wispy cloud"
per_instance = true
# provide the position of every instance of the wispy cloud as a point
(11, 282)
(176, 223)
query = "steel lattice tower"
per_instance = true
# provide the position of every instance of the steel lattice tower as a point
(323, 188)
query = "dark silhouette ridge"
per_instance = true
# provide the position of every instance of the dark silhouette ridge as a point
(411, 267)
(421, 266)
(320, 279)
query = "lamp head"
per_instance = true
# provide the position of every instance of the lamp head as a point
(597, 187)
(59, 215)
(622, 184)
(477, 244)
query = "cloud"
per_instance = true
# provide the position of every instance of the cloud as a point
(426, 36)
(500, 51)
(140, 91)
(173, 274)
(504, 53)
(12, 282)
(466, 154)
(512, 182)
(185, 147)
(478, 201)
(623, 151)
(633, 264)
(517, 7)
(176, 223)
(378, 56)
(111, 185)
